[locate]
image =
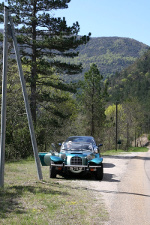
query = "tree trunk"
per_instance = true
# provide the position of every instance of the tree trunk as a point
(92, 122)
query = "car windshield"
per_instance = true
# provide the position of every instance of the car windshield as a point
(76, 146)
(81, 139)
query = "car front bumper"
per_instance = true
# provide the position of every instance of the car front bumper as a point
(74, 168)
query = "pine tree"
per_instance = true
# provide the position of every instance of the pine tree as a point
(44, 41)
(93, 99)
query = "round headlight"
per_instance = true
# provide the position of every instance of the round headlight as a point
(90, 157)
(63, 156)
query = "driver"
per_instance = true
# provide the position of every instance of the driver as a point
(69, 144)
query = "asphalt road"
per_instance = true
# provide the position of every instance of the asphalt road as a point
(125, 188)
(131, 204)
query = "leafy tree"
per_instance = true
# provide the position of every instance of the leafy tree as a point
(93, 99)
(42, 39)
(110, 125)
(134, 120)
(50, 126)
(130, 119)
(18, 142)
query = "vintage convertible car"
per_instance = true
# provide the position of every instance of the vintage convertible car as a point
(78, 158)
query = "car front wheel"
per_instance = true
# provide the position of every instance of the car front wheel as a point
(52, 172)
(99, 173)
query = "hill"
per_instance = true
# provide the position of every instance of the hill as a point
(111, 54)
(133, 82)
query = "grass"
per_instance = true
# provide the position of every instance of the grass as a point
(119, 151)
(138, 149)
(26, 200)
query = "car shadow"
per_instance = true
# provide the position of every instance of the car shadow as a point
(109, 178)
(89, 177)
(108, 165)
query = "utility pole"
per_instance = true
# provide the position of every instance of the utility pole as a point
(4, 91)
(3, 118)
(116, 125)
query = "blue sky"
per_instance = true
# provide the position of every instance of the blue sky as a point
(105, 18)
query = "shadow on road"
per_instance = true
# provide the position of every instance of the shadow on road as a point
(108, 165)
(110, 178)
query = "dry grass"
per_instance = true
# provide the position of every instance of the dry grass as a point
(26, 200)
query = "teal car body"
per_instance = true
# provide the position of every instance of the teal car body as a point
(74, 158)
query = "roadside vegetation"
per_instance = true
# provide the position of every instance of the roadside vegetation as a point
(119, 151)
(24, 200)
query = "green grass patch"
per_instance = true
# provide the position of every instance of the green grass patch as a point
(119, 151)
(138, 149)
(26, 200)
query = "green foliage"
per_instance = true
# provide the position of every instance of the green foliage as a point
(42, 38)
(52, 117)
(18, 143)
(131, 88)
(92, 100)
(137, 83)
(129, 121)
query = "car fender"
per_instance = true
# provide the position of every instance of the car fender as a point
(45, 158)
(97, 160)
(56, 159)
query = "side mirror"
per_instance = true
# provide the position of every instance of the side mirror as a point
(100, 145)
(53, 145)
(95, 150)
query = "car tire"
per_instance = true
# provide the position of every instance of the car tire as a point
(52, 172)
(99, 173)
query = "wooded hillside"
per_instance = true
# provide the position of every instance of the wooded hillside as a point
(110, 54)
(133, 82)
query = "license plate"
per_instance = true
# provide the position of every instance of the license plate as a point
(76, 168)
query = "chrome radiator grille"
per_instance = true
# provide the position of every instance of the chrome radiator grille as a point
(76, 160)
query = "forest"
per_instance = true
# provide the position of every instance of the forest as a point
(66, 97)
